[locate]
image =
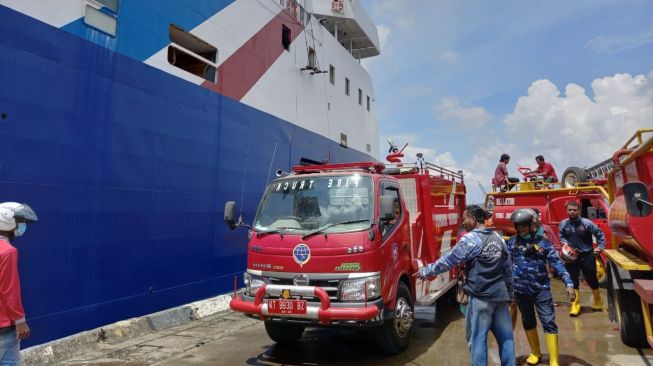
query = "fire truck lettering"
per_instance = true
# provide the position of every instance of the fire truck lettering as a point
(507, 201)
(330, 183)
(301, 186)
(339, 182)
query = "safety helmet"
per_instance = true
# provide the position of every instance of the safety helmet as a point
(524, 216)
(568, 254)
(10, 211)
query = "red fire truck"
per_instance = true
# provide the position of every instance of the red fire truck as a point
(550, 200)
(630, 265)
(338, 245)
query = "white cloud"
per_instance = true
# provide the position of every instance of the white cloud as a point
(610, 44)
(449, 56)
(403, 12)
(450, 110)
(575, 129)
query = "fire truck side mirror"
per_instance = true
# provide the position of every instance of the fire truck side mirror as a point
(387, 208)
(230, 214)
(637, 199)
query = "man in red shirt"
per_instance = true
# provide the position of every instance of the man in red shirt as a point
(14, 218)
(544, 169)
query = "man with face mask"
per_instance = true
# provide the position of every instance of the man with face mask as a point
(530, 253)
(14, 218)
(488, 284)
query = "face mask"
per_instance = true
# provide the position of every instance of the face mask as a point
(527, 236)
(20, 229)
(540, 232)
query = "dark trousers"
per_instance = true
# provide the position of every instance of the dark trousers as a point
(542, 302)
(587, 264)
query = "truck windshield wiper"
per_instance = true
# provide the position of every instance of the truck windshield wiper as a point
(321, 229)
(271, 231)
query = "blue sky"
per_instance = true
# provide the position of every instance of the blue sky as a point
(464, 81)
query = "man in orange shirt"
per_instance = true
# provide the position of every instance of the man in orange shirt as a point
(14, 218)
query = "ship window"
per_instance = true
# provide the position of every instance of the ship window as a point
(192, 54)
(109, 4)
(368, 103)
(285, 37)
(343, 140)
(100, 20)
(346, 86)
(360, 97)
(332, 75)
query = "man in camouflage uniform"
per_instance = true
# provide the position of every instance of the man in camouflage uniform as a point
(530, 254)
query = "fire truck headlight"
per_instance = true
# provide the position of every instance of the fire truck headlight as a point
(253, 283)
(354, 289)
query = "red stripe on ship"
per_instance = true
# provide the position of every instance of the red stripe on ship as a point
(238, 74)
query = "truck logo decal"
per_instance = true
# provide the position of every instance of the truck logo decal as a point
(301, 254)
(349, 267)
(285, 294)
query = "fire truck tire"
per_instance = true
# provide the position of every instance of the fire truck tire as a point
(573, 175)
(628, 310)
(394, 335)
(283, 333)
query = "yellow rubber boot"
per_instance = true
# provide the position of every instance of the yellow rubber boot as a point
(552, 346)
(598, 302)
(575, 305)
(534, 341)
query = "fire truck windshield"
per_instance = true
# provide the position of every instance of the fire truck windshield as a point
(303, 204)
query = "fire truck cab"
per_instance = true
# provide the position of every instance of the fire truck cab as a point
(339, 245)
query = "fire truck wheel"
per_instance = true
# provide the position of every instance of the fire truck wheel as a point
(628, 310)
(394, 335)
(573, 175)
(283, 333)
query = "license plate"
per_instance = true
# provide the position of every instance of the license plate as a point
(287, 307)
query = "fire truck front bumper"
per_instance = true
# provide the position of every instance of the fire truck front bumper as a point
(306, 308)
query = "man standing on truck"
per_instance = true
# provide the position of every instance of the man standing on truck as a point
(544, 169)
(577, 232)
(530, 253)
(489, 286)
(501, 178)
(14, 218)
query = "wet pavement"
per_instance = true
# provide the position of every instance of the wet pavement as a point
(232, 339)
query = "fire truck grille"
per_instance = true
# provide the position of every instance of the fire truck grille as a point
(330, 286)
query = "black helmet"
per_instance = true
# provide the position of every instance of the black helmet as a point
(505, 157)
(524, 216)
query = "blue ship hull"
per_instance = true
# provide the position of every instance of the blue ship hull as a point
(128, 169)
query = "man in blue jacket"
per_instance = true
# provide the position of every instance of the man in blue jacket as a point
(530, 253)
(577, 233)
(489, 286)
